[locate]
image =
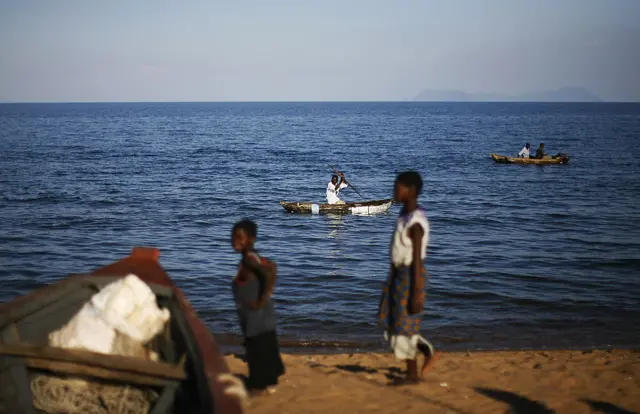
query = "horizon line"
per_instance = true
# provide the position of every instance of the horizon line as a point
(304, 101)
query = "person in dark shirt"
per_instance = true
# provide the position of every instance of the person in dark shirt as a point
(540, 152)
(258, 322)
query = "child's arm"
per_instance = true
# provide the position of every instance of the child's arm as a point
(344, 182)
(265, 279)
(382, 296)
(253, 264)
(416, 232)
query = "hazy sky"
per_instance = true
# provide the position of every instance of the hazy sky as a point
(213, 50)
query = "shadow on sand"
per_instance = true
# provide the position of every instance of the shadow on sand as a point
(606, 408)
(518, 403)
(355, 368)
(393, 374)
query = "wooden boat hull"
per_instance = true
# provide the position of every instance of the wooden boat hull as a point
(26, 322)
(503, 159)
(364, 208)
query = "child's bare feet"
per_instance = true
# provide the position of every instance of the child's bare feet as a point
(412, 375)
(429, 360)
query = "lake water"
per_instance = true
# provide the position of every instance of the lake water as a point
(520, 256)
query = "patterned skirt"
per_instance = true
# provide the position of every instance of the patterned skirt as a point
(394, 316)
(401, 328)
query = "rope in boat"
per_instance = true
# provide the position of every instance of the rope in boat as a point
(55, 395)
(73, 395)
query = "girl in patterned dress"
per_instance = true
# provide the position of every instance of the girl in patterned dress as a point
(402, 300)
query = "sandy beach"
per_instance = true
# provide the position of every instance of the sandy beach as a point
(601, 381)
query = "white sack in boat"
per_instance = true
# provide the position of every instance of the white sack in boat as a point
(124, 307)
(86, 330)
(129, 306)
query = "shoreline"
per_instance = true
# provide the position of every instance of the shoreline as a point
(232, 344)
(534, 381)
(238, 350)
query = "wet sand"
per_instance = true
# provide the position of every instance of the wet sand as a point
(460, 382)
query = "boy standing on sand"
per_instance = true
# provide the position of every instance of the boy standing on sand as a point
(256, 312)
(402, 300)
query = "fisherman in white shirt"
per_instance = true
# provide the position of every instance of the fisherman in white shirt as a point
(334, 187)
(525, 152)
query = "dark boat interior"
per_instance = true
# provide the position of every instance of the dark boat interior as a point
(48, 309)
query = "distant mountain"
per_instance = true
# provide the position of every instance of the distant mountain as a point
(568, 94)
(458, 96)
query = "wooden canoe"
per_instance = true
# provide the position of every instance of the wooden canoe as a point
(364, 207)
(193, 376)
(503, 159)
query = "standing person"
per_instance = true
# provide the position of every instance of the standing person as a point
(334, 187)
(540, 152)
(526, 151)
(402, 300)
(251, 290)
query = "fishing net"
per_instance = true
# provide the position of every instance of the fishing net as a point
(57, 395)
(69, 395)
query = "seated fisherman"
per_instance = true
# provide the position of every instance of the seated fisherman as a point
(540, 154)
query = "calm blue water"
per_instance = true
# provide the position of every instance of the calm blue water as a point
(520, 256)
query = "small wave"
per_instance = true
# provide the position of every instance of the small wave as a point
(631, 264)
(103, 202)
(65, 223)
(44, 197)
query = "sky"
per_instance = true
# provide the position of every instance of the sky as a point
(308, 50)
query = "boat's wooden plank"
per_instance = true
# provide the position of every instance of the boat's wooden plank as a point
(112, 362)
(9, 334)
(36, 327)
(99, 282)
(24, 306)
(70, 368)
(15, 394)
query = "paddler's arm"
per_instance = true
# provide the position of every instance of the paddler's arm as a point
(416, 232)
(344, 180)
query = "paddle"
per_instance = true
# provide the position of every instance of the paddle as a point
(350, 185)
